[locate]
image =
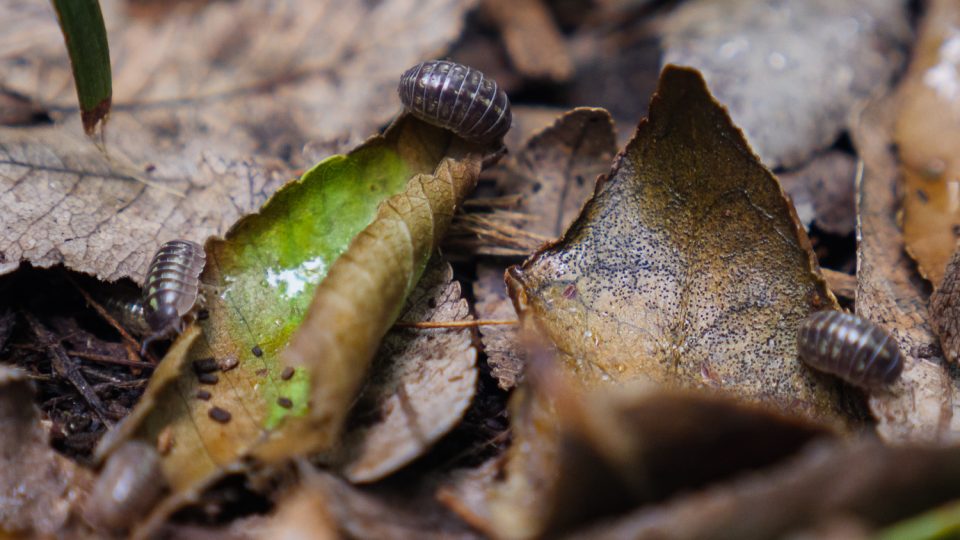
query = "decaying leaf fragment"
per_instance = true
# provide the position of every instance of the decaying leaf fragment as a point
(38, 488)
(790, 72)
(927, 136)
(924, 406)
(500, 342)
(945, 310)
(579, 455)
(361, 296)
(423, 381)
(261, 278)
(862, 479)
(688, 267)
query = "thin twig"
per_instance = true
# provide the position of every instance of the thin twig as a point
(455, 324)
(94, 357)
(66, 368)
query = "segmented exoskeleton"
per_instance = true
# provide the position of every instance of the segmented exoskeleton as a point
(850, 347)
(458, 98)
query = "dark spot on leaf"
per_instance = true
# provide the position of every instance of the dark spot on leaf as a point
(922, 195)
(287, 373)
(208, 378)
(203, 315)
(205, 365)
(536, 187)
(257, 351)
(285, 402)
(203, 394)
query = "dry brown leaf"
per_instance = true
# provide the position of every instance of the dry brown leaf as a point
(577, 456)
(822, 191)
(861, 479)
(197, 94)
(841, 284)
(927, 136)
(422, 383)
(536, 47)
(792, 72)
(500, 342)
(39, 489)
(688, 267)
(945, 310)
(358, 513)
(925, 404)
(527, 122)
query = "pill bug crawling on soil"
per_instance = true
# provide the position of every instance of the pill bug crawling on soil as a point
(172, 287)
(850, 347)
(126, 305)
(458, 98)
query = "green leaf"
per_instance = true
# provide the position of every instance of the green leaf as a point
(259, 282)
(86, 40)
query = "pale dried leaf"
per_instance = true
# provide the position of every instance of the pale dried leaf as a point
(38, 487)
(422, 383)
(924, 405)
(822, 191)
(842, 284)
(945, 310)
(927, 133)
(500, 342)
(790, 72)
(197, 94)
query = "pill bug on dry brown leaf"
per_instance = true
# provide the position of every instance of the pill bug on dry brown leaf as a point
(458, 98)
(130, 483)
(850, 347)
(172, 287)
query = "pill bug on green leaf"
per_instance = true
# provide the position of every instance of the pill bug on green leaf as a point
(458, 98)
(850, 347)
(172, 287)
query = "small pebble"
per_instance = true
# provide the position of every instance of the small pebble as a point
(203, 394)
(287, 373)
(229, 363)
(208, 378)
(284, 402)
(219, 415)
(205, 365)
(257, 351)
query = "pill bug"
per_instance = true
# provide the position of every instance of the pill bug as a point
(850, 347)
(125, 305)
(172, 286)
(458, 98)
(131, 481)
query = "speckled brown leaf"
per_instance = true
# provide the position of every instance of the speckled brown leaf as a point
(39, 488)
(423, 380)
(924, 405)
(945, 310)
(792, 71)
(822, 192)
(688, 267)
(206, 97)
(927, 134)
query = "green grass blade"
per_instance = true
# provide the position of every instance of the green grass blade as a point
(86, 38)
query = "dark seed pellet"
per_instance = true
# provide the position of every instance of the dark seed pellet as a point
(203, 315)
(228, 363)
(287, 373)
(219, 415)
(208, 378)
(257, 351)
(205, 365)
(284, 402)
(203, 394)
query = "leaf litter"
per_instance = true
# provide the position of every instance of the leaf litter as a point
(579, 455)
(212, 105)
